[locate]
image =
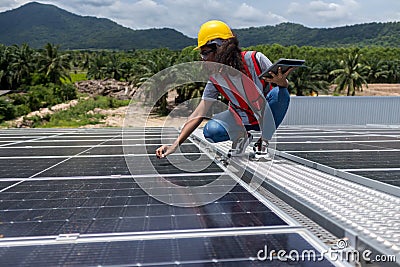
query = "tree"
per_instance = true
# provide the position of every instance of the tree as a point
(6, 77)
(6, 110)
(352, 74)
(54, 65)
(393, 68)
(309, 80)
(152, 63)
(96, 68)
(114, 67)
(191, 90)
(378, 72)
(21, 65)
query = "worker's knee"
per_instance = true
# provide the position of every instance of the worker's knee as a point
(214, 132)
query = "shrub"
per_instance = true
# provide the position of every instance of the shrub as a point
(64, 92)
(21, 110)
(40, 96)
(79, 115)
(7, 110)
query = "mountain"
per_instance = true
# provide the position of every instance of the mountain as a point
(383, 34)
(37, 24)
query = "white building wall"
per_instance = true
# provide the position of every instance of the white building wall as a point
(355, 110)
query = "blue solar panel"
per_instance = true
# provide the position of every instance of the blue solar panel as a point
(59, 189)
(366, 151)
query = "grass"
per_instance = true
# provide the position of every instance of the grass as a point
(79, 115)
(76, 77)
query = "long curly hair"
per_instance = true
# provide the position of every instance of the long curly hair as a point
(229, 53)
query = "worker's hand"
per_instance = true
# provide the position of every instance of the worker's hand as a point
(165, 150)
(280, 78)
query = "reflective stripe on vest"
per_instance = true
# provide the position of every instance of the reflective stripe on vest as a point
(252, 93)
(253, 68)
(237, 102)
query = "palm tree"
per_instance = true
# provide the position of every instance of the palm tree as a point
(307, 81)
(352, 74)
(114, 67)
(96, 67)
(85, 60)
(378, 71)
(191, 90)
(4, 68)
(152, 63)
(54, 65)
(393, 68)
(21, 64)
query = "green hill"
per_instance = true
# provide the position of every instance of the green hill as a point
(37, 24)
(383, 34)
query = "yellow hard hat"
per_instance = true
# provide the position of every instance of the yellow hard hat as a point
(211, 30)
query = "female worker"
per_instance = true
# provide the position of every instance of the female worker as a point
(217, 43)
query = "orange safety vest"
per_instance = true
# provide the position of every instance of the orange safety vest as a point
(246, 100)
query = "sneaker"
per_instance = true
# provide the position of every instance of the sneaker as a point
(261, 147)
(239, 146)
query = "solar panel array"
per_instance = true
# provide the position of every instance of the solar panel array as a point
(369, 151)
(67, 197)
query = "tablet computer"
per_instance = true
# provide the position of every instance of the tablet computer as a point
(285, 64)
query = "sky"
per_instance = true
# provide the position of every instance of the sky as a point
(187, 16)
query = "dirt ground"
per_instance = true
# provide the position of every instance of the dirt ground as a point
(139, 118)
(375, 89)
(379, 89)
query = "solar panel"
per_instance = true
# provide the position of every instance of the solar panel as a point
(209, 251)
(24, 168)
(384, 176)
(370, 152)
(61, 204)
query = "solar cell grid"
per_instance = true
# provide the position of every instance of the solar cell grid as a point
(361, 150)
(4, 184)
(356, 159)
(136, 149)
(24, 168)
(66, 197)
(38, 151)
(210, 251)
(312, 146)
(43, 143)
(97, 200)
(388, 177)
(17, 138)
(338, 137)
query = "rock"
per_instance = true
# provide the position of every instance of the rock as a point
(26, 121)
(108, 87)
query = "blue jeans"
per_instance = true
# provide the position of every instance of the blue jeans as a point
(278, 100)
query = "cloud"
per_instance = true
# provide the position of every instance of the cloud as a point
(9, 4)
(248, 16)
(186, 15)
(97, 3)
(143, 13)
(324, 13)
(86, 3)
